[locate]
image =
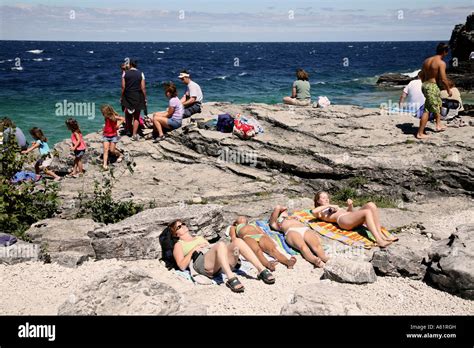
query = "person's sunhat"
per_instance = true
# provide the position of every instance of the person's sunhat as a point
(183, 75)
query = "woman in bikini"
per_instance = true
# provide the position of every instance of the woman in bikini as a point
(211, 259)
(259, 242)
(299, 236)
(348, 219)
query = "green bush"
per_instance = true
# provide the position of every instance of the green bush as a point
(25, 203)
(101, 207)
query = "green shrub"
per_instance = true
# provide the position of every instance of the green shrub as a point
(101, 207)
(25, 203)
(341, 196)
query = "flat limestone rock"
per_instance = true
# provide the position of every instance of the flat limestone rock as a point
(324, 298)
(345, 270)
(126, 292)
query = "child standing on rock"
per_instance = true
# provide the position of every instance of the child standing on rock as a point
(41, 143)
(112, 123)
(78, 147)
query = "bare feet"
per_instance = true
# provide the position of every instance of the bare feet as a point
(384, 244)
(422, 136)
(319, 263)
(440, 129)
(291, 262)
(271, 265)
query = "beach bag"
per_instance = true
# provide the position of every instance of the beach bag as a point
(243, 131)
(323, 102)
(225, 123)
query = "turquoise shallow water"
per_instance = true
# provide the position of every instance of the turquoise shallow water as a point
(88, 72)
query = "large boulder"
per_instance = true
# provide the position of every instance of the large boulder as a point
(64, 241)
(324, 298)
(344, 270)
(137, 237)
(452, 263)
(404, 258)
(462, 43)
(126, 292)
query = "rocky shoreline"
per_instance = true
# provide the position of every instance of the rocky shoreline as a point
(207, 177)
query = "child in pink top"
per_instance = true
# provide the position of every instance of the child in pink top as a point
(78, 147)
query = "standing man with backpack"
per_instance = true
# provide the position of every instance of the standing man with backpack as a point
(192, 98)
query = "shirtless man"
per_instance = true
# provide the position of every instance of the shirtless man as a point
(432, 73)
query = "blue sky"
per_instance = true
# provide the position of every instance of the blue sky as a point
(228, 20)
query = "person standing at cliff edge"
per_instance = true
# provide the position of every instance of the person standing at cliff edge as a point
(433, 73)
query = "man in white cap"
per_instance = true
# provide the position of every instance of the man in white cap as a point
(192, 98)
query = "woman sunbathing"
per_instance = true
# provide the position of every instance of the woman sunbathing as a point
(211, 259)
(259, 242)
(299, 236)
(348, 219)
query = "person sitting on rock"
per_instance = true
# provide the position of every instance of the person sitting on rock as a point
(170, 119)
(348, 219)
(300, 93)
(259, 242)
(299, 236)
(192, 98)
(412, 97)
(209, 260)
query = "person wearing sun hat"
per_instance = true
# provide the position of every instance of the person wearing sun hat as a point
(192, 98)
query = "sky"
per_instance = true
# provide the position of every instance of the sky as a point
(231, 20)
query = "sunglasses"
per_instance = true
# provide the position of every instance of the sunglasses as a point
(179, 226)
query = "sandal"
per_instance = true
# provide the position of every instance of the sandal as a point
(233, 284)
(266, 276)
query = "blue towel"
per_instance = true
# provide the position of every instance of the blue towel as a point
(276, 236)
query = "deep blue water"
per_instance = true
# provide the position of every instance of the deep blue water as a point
(89, 72)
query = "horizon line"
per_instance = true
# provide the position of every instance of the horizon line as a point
(447, 40)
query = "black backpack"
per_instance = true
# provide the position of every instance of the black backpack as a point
(167, 243)
(225, 123)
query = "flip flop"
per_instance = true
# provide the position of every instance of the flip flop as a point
(265, 276)
(232, 283)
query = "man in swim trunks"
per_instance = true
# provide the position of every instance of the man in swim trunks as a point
(299, 236)
(259, 242)
(433, 73)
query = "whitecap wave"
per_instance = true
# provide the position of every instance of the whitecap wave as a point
(38, 59)
(48, 58)
(412, 74)
(223, 77)
(161, 52)
(243, 73)
(36, 51)
(18, 68)
(90, 51)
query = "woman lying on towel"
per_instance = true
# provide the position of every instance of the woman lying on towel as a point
(299, 236)
(211, 259)
(348, 219)
(259, 242)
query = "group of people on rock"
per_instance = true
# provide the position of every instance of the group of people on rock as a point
(250, 241)
(134, 100)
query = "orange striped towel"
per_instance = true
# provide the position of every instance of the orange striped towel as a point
(360, 237)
